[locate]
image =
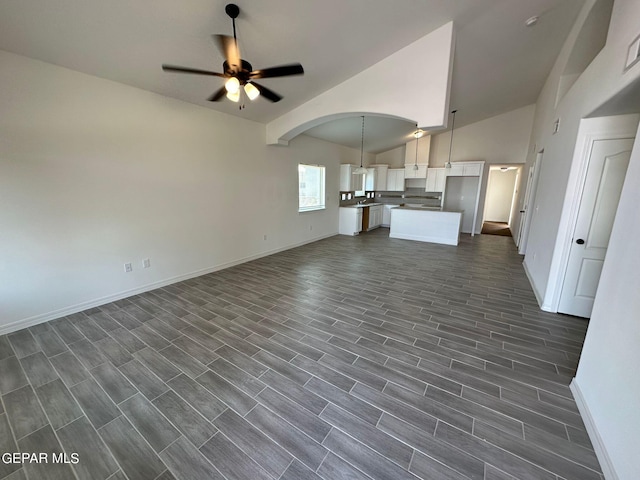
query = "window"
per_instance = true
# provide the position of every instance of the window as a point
(359, 184)
(310, 187)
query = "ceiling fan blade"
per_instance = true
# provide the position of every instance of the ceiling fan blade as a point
(266, 93)
(217, 95)
(229, 48)
(281, 71)
(174, 68)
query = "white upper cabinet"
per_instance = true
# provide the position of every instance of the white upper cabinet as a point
(349, 181)
(370, 179)
(377, 178)
(465, 169)
(395, 180)
(436, 178)
(345, 178)
(374, 180)
(410, 171)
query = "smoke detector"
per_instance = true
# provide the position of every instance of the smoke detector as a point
(531, 21)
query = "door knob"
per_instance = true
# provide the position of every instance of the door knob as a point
(580, 241)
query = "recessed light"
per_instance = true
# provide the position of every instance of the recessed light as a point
(530, 22)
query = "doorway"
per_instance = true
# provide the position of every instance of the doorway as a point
(608, 159)
(526, 213)
(500, 200)
(598, 173)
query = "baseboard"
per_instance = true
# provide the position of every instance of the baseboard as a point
(79, 307)
(596, 440)
(533, 285)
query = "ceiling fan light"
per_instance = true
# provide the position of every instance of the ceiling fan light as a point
(233, 86)
(234, 97)
(251, 91)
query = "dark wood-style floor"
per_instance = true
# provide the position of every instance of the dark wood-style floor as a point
(496, 228)
(352, 357)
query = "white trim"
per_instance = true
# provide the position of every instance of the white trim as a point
(590, 130)
(596, 440)
(79, 307)
(533, 285)
(529, 201)
(311, 209)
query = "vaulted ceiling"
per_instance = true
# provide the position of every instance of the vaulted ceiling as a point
(500, 64)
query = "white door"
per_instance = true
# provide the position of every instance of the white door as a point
(601, 192)
(525, 214)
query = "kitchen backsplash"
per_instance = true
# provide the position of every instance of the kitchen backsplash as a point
(410, 195)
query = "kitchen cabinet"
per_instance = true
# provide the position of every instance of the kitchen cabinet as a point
(345, 178)
(377, 178)
(370, 179)
(395, 180)
(465, 169)
(349, 220)
(386, 215)
(411, 172)
(375, 216)
(436, 178)
(349, 181)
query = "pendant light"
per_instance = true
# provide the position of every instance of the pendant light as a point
(361, 170)
(418, 133)
(453, 123)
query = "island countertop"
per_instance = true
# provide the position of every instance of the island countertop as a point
(362, 205)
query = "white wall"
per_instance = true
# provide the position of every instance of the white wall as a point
(496, 140)
(500, 187)
(94, 174)
(503, 139)
(607, 380)
(394, 158)
(374, 90)
(607, 385)
(602, 79)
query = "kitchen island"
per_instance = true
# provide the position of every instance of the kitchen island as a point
(425, 225)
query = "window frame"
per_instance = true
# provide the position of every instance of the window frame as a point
(322, 195)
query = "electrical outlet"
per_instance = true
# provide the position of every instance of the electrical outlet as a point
(128, 267)
(265, 237)
(146, 263)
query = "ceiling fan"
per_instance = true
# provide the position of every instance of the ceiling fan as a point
(238, 72)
